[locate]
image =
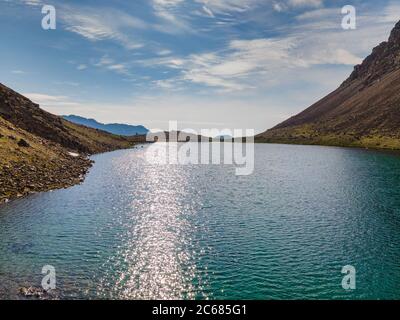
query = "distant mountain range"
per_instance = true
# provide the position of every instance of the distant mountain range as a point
(363, 112)
(114, 128)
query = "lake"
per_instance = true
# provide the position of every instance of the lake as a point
(135, 230)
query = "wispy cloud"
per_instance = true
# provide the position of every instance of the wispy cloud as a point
(32, 2)
(110, 64)
(305, 3)
(164, 52)
(120, 68)
(285, 5)
(315, 40)
(235, 68)
(225, 50)
(227, 6)
(247, 64)
(103, 24)
(171, 22)
(208, 11)
(391, 13)
(49, 100)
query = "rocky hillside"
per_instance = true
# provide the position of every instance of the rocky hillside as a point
(26, 115)
(40, 151)
(364, 111)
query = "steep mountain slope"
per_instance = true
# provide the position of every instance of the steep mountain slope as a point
(364, 111)
(40, 151)
(114, 128)
(27, 115)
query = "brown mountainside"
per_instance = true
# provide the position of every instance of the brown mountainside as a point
(27, 115)
(40, 151)
(364, 111)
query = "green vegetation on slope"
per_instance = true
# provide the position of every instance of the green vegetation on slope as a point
(308, 135)
(96, 141)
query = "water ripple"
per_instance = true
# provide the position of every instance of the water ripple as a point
(135, 230)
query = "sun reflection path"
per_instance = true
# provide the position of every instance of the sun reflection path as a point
(157, 259)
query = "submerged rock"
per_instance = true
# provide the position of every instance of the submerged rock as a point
(32, 292)
(38, 293)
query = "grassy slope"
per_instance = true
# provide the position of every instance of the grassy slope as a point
(309, 135)
(11, 152)
(96, 141)
(363, 112)
(354, 116)
(41, 166)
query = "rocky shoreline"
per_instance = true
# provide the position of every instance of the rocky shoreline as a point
(40, 151)
(18, 179)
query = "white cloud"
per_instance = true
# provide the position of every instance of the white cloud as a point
(120, 68)
(285, 5)
(103, 24)
(228, 6)
(81, 67)
(240, 6)
(167, 3)
(306, 3)
(104, 61)
(235, 69)
(208, 11)
(46, 100)
(110, 64)
(279, 7)
(171, 21)
(320, 15)
(164, 52)
(38, 97)
(391, 13)
(32, 2)
(254, 64)
(315, 41)
(170, 62)
(297, 61)
(18, 72)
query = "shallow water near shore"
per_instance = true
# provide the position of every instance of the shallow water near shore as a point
(134, 230)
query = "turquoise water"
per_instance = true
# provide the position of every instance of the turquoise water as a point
(134, 230)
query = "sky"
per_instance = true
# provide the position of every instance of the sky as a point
(236, 64)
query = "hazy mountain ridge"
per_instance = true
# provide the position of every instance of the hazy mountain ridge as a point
(364, 111)
(114, 128)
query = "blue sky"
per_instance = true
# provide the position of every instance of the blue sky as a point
(205, 63)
